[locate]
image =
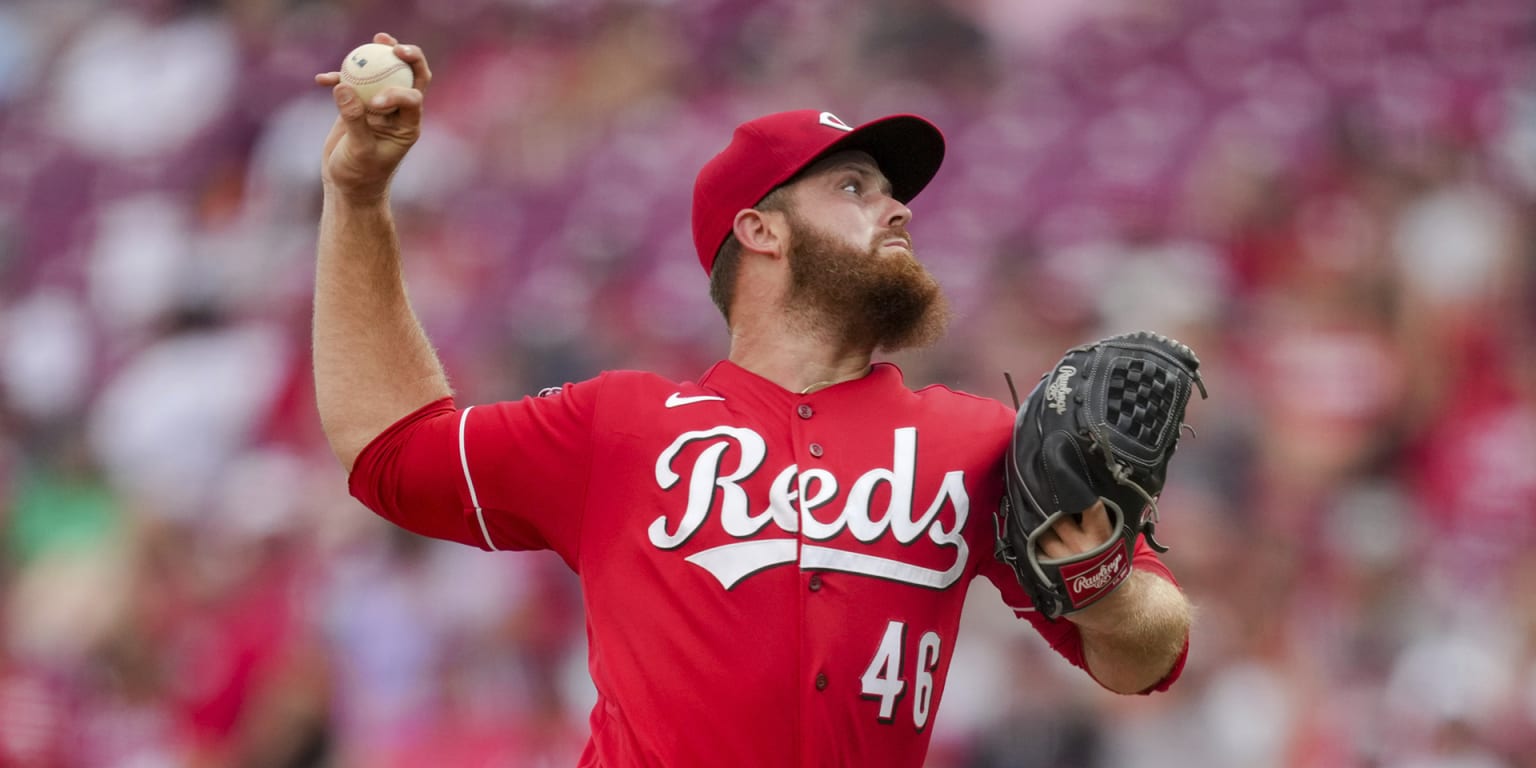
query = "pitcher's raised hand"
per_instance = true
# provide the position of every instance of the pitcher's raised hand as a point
(368, 140)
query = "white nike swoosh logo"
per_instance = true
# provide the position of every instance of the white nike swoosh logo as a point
(676, 398)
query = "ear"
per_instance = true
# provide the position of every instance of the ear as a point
(764, 232)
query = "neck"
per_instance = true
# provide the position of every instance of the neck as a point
(797, 362)
(792, 349)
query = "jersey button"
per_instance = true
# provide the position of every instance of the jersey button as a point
(815, 584)
(804, 411)
(821, 681)
(816, 450)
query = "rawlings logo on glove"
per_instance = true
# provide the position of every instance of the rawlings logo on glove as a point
(1100, 426)
(1056, 393)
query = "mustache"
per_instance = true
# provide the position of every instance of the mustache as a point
(893, 233)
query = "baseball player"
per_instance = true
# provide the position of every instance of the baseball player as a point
(773, 557)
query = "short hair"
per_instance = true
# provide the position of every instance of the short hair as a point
(722, 277)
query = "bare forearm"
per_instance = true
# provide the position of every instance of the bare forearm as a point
(1132, 638)
(373, 362)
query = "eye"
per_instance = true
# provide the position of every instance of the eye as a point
(852, 184)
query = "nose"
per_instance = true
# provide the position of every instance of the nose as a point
(899, 216)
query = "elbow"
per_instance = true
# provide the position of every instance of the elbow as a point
(1152, 673)
(1146, 652)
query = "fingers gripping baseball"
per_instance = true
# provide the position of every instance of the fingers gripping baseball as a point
(368, 140)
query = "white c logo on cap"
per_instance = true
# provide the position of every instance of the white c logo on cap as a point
(832, 121)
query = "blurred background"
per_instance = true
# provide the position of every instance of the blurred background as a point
(1331, 200)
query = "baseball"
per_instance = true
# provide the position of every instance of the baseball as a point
(372, 67)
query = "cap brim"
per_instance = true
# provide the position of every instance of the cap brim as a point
(908, 149)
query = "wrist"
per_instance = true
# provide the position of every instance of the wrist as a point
(356, 197)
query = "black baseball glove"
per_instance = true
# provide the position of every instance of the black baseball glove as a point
(1101, 425)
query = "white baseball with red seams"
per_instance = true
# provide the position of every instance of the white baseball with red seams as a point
(372, 67)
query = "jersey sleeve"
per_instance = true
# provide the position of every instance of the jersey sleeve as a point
(1062, 635)
(508, 475)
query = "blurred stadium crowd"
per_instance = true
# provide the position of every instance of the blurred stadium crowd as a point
(1333, 201)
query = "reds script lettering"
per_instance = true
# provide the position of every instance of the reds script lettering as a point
(813, 488)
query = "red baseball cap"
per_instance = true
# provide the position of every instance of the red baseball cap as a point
(769, 151)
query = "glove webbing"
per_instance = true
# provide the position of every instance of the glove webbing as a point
(1120, 471)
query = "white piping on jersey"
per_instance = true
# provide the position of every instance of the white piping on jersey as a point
(474, 498)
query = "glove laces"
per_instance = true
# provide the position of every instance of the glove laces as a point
(1121, 472)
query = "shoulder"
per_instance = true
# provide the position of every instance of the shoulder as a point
(639, 381)
(938, 404)
(630, 391)
(599, 394)
(622, 381)
(960, 403)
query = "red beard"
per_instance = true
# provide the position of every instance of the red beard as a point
(861, 297)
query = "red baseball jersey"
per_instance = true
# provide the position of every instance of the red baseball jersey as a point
(770, 578)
